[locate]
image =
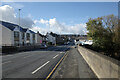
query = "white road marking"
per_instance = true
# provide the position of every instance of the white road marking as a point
(40, 67)
(6, 62)
(55, 56)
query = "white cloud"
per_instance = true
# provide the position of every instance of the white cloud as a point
(52, 21)
(41, 30)
(54, 26)
(43, 21)
(7, 14)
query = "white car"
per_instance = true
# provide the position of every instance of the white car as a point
(86, 42)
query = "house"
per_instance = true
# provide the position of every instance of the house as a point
(51, 38)
(39, 38)
(44, 39)
(29, 37)
(15, 35)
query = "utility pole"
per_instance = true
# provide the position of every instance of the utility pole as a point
(19, 28)
(19, 16)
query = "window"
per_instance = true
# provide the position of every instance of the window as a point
(16, 34)
(23, 35)
(33, 38)
(28, 36)
(16, 38)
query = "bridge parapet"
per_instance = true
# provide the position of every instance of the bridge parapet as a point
(103, 66)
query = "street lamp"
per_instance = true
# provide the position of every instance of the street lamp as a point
(19, 16)
(19, 26)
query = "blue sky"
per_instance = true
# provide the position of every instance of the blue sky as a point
(69, 13)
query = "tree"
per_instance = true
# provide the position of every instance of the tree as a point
(105, 33)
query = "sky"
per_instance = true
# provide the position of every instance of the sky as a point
(58, 17)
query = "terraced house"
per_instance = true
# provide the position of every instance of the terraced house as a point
(15, 35)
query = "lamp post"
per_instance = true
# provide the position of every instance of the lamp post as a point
(19, 16)
(19, 28)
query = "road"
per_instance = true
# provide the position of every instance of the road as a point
(32, 64)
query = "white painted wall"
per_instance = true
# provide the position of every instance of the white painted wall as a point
(25, 39)
(31, 38)
(6, 36)
(0, 35)
(51, 38)
(38, 38)
(20, 38)
(12, 37)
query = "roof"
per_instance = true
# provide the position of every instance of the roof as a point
(41, 35)
(53, 34)
(12, 26)
(8, 25)
(31, 31)
(24, 29)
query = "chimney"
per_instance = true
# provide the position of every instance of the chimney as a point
(37, 32)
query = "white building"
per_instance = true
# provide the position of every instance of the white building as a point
(14, 35)
(39, 38)
(51, 38)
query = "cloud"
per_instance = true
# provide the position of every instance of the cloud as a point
(57, 27)
(52, 21)
(41, 30)
(43, 21)
(9, 15)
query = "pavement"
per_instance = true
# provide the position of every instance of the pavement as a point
(74, 67)
(31, 65)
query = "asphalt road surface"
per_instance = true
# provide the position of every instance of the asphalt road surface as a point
(31, 64)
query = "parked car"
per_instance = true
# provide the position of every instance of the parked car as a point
(44, 46)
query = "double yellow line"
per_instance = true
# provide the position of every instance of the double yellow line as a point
(56, 66)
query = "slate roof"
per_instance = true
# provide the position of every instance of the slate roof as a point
(31, 31)
(53, 34)
(41, 35)
(12, 26)
(24, 29)
(8, 25)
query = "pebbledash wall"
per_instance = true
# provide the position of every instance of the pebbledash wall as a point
(103, 66)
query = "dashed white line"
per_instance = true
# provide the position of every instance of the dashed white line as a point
(55, 56)
(40, 67)
(6, 62)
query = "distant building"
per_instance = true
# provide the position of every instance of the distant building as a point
(39, 38)
(51, 38)
(15, 35)
(44, 39)
(61, 40)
